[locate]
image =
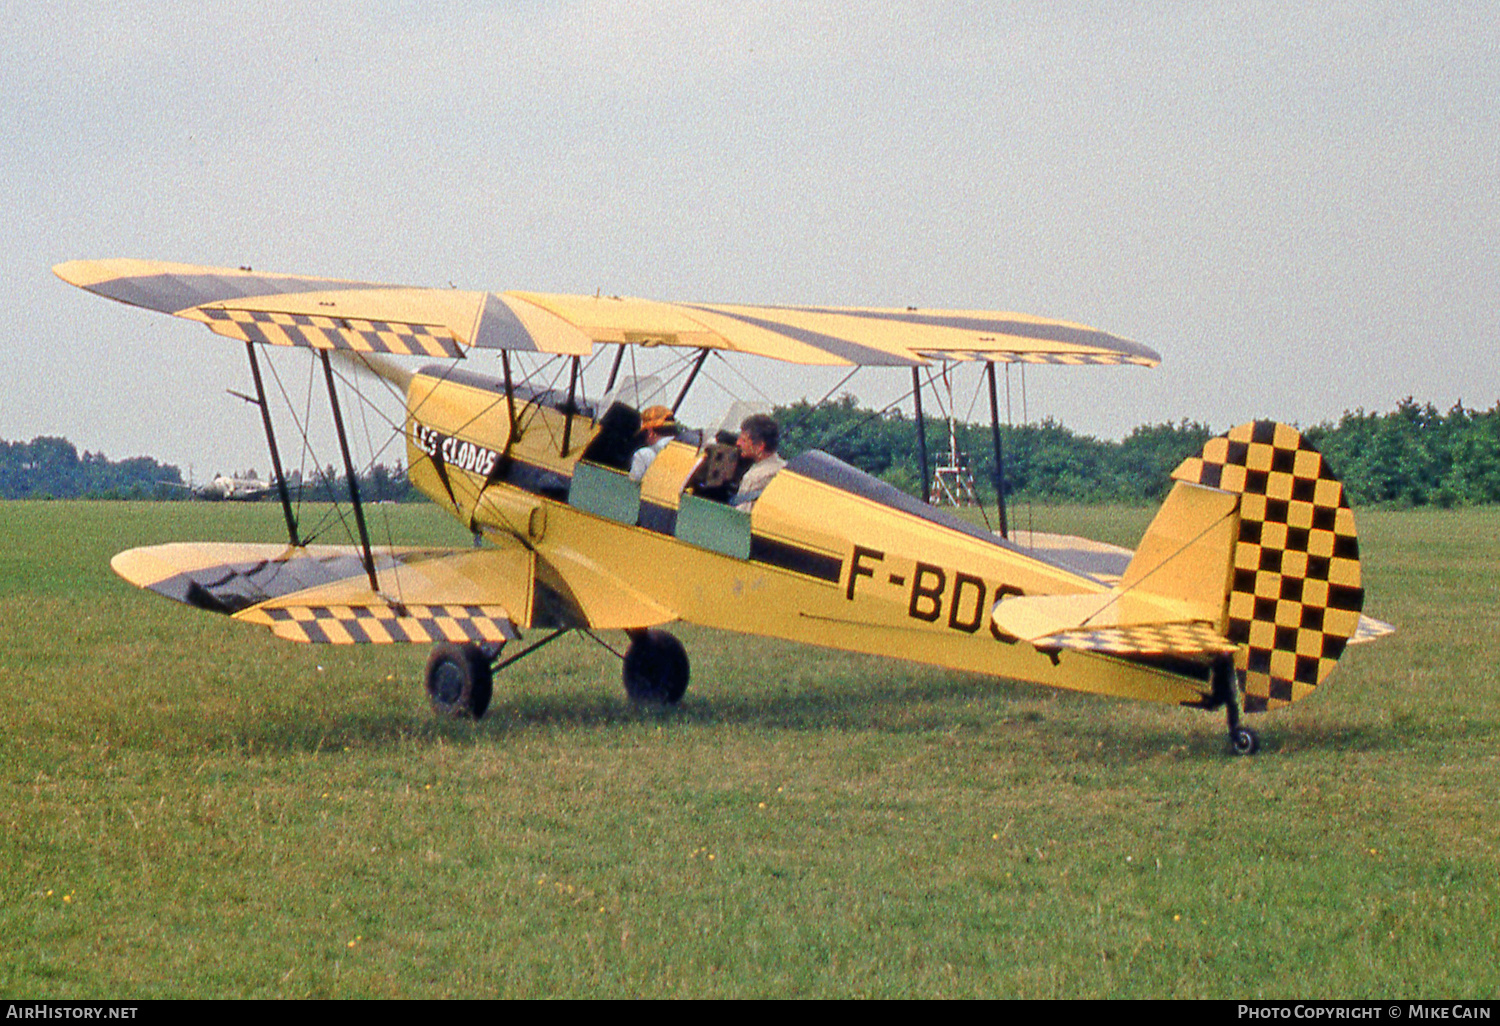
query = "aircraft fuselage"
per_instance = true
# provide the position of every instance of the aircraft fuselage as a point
(827, 556)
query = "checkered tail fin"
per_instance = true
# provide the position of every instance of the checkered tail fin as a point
(1293, 592)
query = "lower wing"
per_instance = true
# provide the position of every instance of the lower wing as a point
(322, 593)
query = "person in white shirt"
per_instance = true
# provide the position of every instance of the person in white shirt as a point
(659, 428)
(759, 437)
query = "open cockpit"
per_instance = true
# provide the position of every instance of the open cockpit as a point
(476, 434)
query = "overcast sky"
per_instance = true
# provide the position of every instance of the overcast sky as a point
(1296, 205)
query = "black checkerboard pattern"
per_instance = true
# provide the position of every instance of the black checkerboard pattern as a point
(385, 624)
(1295, 597)
(1070, 359)
(317, 332)
(1177, 639)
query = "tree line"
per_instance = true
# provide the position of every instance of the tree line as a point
(52, 468)
(1414, 455)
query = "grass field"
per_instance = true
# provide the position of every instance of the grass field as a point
(193, 808)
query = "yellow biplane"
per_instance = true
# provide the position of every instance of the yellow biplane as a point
(1243, 593)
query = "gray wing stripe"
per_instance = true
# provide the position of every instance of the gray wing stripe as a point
(851, 351)
(169, 293)
(500, 328)
(1062, 333)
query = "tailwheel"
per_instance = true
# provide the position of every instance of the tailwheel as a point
(656, 668)
(458, 680)
(1244, 741)
(1226, 692)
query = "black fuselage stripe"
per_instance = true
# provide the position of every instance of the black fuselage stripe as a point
(533, 477)
(795, 558)
(658, 518)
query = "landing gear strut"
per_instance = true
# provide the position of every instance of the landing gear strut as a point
(1242, 740)
(656, 668)
(460, 677)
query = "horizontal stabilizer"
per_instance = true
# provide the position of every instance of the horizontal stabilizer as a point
(1369, 629)
(1118, 622)
(322, 593)
(1185, 640)
(1031, 617)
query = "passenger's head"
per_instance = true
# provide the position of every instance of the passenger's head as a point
(658, 420)
(759, 437)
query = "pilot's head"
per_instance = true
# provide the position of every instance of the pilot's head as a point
(759, 436)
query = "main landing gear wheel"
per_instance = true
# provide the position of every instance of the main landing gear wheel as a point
(458, 680)
(1244, 741)
(656, 668)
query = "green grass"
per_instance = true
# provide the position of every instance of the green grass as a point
(193, 808)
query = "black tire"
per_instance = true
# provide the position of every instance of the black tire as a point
(656, 669)
(458, 680)
(1244, 741)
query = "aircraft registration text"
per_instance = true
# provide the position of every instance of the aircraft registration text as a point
(454, 452)
(934, 594)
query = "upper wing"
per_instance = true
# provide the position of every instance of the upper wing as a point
(326, 313)
(320, 313)
(842, 335)
(322, 594)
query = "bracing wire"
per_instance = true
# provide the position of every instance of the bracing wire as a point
(365, 405)
(983, 513)
(302, 430)
(707, 376)
(973, 402)
(828, 440)
(583, 374)
(307, 449)
(1025, 423)
(969, 419)
(750, 384)
(938, 393)
(679, 364)
(826, 395)
(949, 415)
(306, 441)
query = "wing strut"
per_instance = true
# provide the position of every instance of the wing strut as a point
(614, 371)
(697, 366)
(510, 399)
(999, 454)
(359, 509)
(570, 409)
(916, 390)
(265, 418)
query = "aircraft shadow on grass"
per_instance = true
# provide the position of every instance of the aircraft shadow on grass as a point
(967, 708)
